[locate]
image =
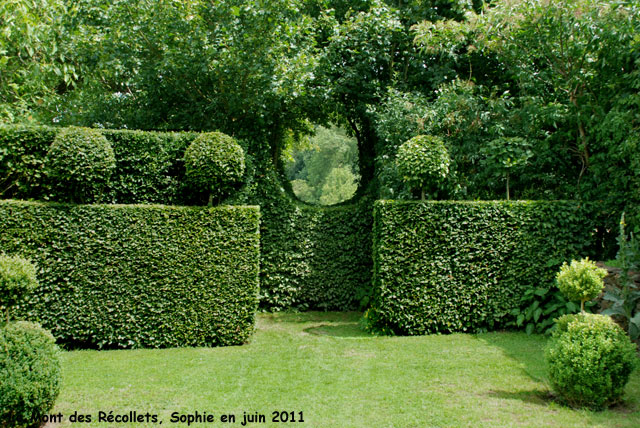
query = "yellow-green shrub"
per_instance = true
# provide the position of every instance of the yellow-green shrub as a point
(590, 360)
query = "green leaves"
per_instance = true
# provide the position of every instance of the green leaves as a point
(423, 162)
(590, 360)
(138, 276)
(17, 280)
(447, 266)
(79, 164)
(214, 163)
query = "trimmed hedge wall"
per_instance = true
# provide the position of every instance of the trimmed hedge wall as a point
(315, 257)
(452, 266)
(138, 276)
(149, 165)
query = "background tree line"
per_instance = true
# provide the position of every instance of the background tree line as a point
(542, 93)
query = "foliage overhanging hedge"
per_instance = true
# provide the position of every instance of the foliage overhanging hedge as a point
(138, 276)
(461, 266)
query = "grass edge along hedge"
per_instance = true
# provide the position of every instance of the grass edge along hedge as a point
(451, 266)
(132, 276)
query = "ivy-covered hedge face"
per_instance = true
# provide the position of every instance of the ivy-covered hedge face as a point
(214, 162)
(79, 164)
(462, 266)
(138, 276)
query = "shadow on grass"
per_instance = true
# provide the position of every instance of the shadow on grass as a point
(347, 329)
(541, 397)
(309, 317)
(527, 350)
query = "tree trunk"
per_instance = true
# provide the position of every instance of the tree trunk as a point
(507, 186)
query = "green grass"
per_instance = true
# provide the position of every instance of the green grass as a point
(323, 365)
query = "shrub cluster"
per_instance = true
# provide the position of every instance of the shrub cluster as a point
(138, 276)
(463, 266)
(29, 374)
(590, 360)
(581, 280)
(149, 166)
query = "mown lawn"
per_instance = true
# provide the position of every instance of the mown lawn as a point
(323, 365)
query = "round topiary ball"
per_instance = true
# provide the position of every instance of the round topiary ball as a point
(423, 161)
(79, 164)
(590, 360)
(29, 374)
(214, 162)
(17, 279)
(581, 280)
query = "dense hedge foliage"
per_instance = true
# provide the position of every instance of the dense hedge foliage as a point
(462, 266)
(29, 374)
(138, 276)
(315, 257)
(149, 166)
(78, 165)
(312, 257)
(214, 162)
(17, 279)
(590, 360)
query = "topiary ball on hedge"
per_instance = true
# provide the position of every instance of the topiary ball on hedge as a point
(29, 374)
(423, 161)
(79, 164)
(590, 360)
(17, 279)
(581, 280)
(214, 162)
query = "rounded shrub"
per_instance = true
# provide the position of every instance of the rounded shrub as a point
(17, 279)
(581, 280)
(423, 161)
(29, 374)
(590, 360)
(214, 162)
(79, 164)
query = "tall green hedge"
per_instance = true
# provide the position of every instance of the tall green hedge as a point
(315, 257)
(461, 266)
(138, 276)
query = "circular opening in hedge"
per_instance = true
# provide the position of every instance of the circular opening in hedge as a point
(323, 168)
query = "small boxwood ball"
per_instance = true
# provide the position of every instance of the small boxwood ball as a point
(29, 374)
(581, 280)
(17, 279)
(590, 360)
(79, 164)
(214, 162)
(423, 160)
